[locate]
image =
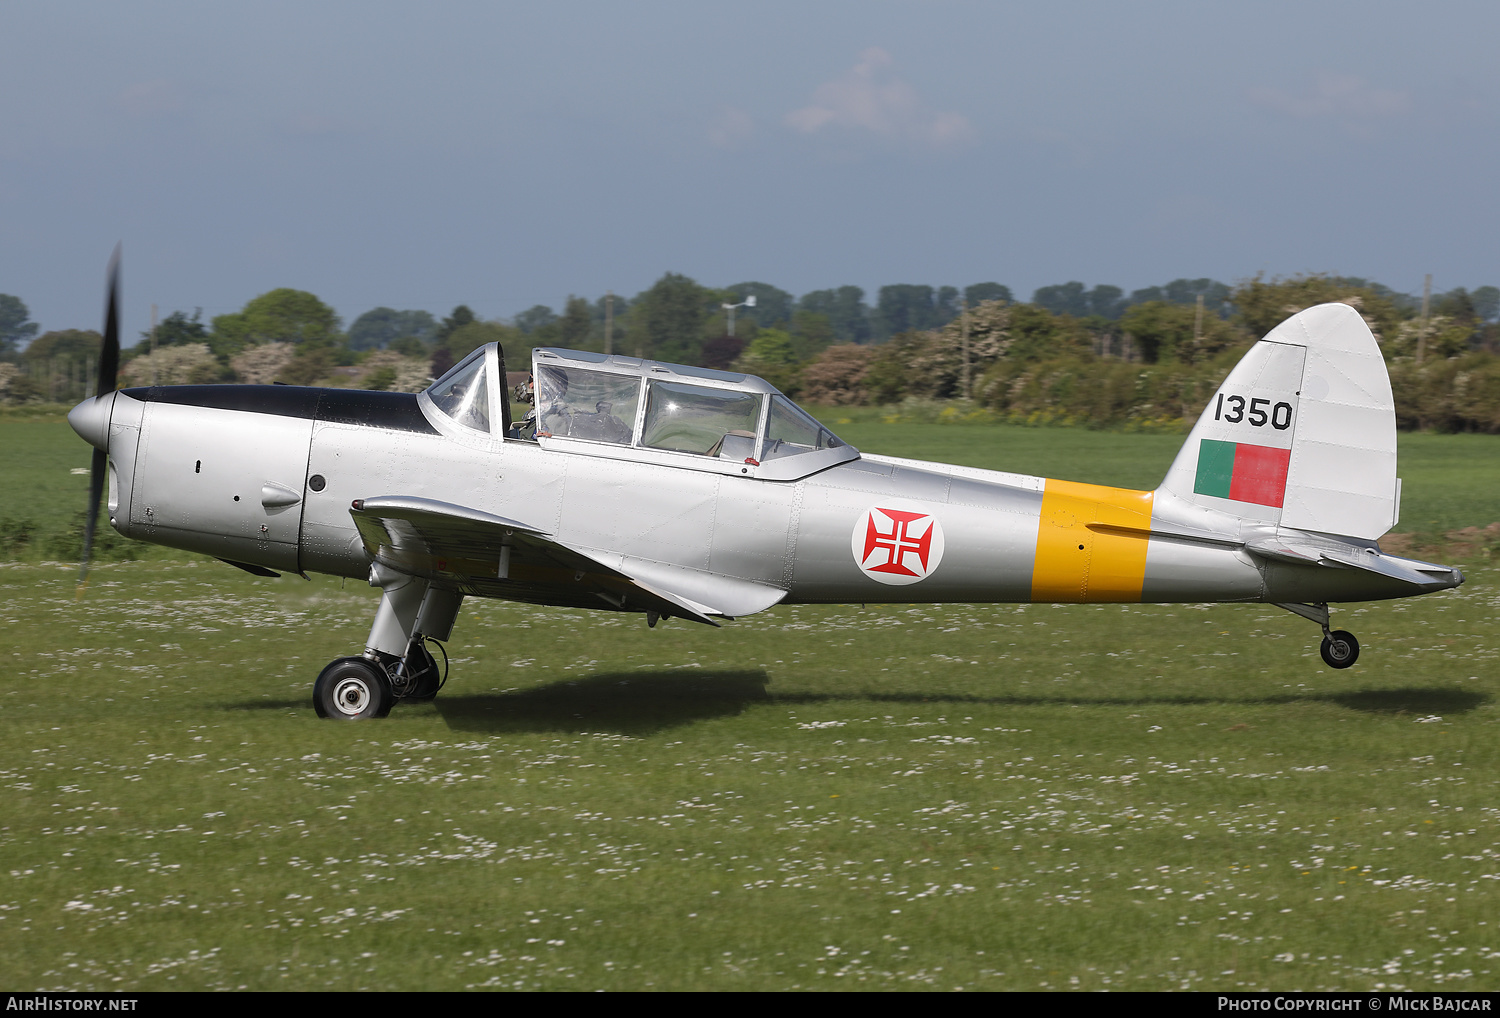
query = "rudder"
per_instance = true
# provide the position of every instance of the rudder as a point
(1302, 434)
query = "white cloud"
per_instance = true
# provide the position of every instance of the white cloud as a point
(870, 98)
(1338, 96)
(731, 129)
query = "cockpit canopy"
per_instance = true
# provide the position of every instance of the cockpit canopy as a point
(606, 405)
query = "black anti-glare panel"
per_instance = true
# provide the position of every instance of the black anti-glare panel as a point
(392, 411)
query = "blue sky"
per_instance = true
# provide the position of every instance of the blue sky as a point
(508, 154)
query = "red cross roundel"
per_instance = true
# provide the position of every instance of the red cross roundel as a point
(897, 545)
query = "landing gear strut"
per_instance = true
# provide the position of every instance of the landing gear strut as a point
(1339, 648)
(416, 678)
(396, 665)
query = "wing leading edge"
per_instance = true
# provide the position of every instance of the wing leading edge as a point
(491, 556)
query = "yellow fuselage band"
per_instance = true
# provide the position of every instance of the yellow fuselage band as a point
(1078, 562)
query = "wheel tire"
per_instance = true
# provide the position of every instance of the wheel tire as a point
(420, 663)
(1340, 649)
(352, 689)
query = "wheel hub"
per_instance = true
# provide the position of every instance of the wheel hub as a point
(351, 695)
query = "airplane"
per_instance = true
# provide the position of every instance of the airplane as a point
(673, 491)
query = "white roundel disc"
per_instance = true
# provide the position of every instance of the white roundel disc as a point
(897, 545)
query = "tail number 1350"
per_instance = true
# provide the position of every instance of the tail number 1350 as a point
(1278, 417)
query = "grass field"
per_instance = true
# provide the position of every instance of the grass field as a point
(931, 797)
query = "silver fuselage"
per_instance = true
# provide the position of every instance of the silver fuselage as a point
(265, 476)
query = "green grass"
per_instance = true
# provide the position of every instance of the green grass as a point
(989, 797)
(1448, 481)
(37, 460)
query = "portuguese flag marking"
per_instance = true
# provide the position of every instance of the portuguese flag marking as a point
(1245, 473)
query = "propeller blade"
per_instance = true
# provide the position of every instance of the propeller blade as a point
(109, 370)
(109, 353)
(96, 489)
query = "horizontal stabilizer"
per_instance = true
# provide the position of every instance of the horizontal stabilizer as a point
(1423, 574)
(1310, 549)
(1274, 547)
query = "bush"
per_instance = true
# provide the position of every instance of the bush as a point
(1030, 366)
(109, 544)
(381, 378)
(261, 363)
(1263, 304)
(16, 536)
(1460, 394)
(189, 364)
(1099, 393)
(836, 377)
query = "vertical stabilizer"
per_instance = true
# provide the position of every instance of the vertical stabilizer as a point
(1302, 434)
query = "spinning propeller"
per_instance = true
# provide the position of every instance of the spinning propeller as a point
(109, 369)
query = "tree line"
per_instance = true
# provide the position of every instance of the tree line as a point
(1074, 353)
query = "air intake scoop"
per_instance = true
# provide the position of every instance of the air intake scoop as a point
(278, 496)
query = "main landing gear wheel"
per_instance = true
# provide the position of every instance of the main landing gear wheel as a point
(1340, 649)
(351, 689)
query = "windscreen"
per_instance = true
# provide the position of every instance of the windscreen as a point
(463, 393)
(790, 431)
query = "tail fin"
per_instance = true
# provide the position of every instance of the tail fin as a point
(1302, 434)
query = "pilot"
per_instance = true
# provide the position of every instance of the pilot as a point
(524, 392)
(548, 403)
(551, 413)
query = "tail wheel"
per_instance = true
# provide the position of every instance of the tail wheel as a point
(352, 689)
(1340, 649)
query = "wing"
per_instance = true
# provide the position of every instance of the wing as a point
(491, 556)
